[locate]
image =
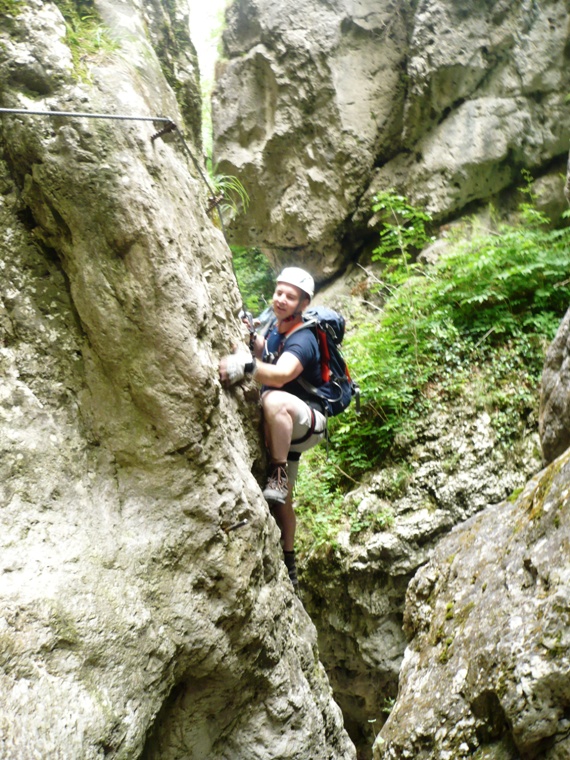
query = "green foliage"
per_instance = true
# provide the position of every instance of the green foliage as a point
(403, 228)
(86, 36)
(479, 319)
(321, 507)
(10, 7)
(491, 302)
(234, 195)
(318, 503)
(255, 277)
(371, 521)
(388, 705)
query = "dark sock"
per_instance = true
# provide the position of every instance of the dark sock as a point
(289, 558)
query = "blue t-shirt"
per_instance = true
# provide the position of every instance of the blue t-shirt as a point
(302, 344)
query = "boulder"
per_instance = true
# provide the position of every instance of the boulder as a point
(555, 395)
(486, 672)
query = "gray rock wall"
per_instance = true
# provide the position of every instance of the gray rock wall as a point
(486, 673)
(133, 621)
(355, 591)
(320, 105)
(555, 396)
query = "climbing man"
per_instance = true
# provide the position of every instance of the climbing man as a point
(293, 418)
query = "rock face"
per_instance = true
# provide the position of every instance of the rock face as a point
(555, 399)
(320, 105)
(356, 594)
(487, 670)
(134, 620)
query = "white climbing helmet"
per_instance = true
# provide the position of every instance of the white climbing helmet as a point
(299, 278)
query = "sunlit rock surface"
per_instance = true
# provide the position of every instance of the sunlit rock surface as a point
(135, 621)
(555, 400)
(318, 106)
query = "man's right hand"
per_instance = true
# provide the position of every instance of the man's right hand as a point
(234, 367)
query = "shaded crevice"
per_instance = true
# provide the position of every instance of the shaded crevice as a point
(492, 722)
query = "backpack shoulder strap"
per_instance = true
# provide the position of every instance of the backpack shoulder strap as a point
(297, 328)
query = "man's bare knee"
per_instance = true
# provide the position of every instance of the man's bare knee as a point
(275, 404)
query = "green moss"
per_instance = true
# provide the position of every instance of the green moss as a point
(10, 650)
(462, 615)
(445, 654)
(451, 464)
(86, 35)
(556, 650)
(172, 44)
(64, 628)
(533, 504)
(437, 637)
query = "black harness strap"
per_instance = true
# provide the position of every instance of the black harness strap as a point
(309, 432)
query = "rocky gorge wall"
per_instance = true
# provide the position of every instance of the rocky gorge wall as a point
(134, 620)
(318, 106)
(356, 591)
(486, 670)
(486, 673)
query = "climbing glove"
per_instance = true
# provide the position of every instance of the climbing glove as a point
(238, 365)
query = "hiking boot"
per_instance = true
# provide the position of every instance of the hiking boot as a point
(291, 565)
(277, 486)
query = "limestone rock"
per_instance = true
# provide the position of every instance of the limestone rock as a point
(320, 105)
(486, 673)
(134, 620)
(310, 93)
(356, 593)
(555, 398)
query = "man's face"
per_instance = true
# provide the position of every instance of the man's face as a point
(287, 299)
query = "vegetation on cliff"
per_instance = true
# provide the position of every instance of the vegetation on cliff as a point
(482, 315)
(86, 35)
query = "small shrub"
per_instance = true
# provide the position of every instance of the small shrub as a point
(235, 198)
